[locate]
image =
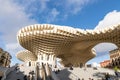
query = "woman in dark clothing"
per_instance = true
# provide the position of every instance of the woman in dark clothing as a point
(25, 77)
(107, 76)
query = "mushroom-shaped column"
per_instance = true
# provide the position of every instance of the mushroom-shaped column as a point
(72, 45)
(28, 57)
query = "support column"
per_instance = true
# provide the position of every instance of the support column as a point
(48, 72)
(44, 67)
(42, 72)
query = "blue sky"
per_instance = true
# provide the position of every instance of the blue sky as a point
(84, 14)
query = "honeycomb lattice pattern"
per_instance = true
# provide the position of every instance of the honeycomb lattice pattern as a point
(72, 45)
(26, 56)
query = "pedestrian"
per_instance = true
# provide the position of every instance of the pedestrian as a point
(25, 77)
(107, 76)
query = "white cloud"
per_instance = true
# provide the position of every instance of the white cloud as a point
(53, 15)
(105, 47)
(42, 10)
(14, 47)
(112, 18)
(12, 18)
(54, 12)
(74, 6)
(43, 4)
(33, 6)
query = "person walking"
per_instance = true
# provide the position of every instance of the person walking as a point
(107, 76)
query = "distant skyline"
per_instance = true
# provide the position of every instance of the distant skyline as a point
(83, 14)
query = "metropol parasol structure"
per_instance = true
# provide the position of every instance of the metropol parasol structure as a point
(46, 42)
